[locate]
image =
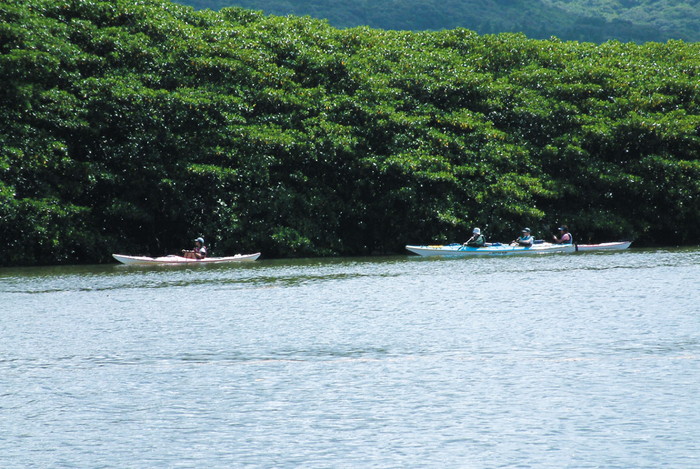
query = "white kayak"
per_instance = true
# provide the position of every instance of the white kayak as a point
(172, 259)
(495, 249)
(614, 246)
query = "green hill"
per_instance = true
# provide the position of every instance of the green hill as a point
(581, 20)
(134, 126)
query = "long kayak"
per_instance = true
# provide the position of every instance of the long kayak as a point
(614, 246)
(143, 260)
(496, 249)
(457, 250)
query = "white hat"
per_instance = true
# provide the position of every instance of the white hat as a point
(476, 231)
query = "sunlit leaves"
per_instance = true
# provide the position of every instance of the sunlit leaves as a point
(138, 124)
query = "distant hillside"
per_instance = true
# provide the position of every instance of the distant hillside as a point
(580, 20)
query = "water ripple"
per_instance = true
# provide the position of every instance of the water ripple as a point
(548, 362)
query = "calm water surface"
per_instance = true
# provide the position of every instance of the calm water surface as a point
(561, 361)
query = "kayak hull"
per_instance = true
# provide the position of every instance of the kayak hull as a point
(457, 250)
(615, 246)
(179, 260)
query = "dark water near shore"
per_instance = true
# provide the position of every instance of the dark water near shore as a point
(560, 361)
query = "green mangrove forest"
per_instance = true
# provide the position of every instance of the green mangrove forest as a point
(135, 126)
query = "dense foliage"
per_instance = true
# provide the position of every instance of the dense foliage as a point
(133, 126)
(580, 20)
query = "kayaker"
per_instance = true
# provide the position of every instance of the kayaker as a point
(525, 238)
(199, 251)
(477, 240)
(564, 236)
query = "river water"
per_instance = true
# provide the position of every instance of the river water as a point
(588, 360)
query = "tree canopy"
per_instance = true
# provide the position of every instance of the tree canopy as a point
(134, 126)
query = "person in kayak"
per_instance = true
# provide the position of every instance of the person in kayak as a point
(525, 238)
(477, 240)
(199, 251)
(564, 236)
